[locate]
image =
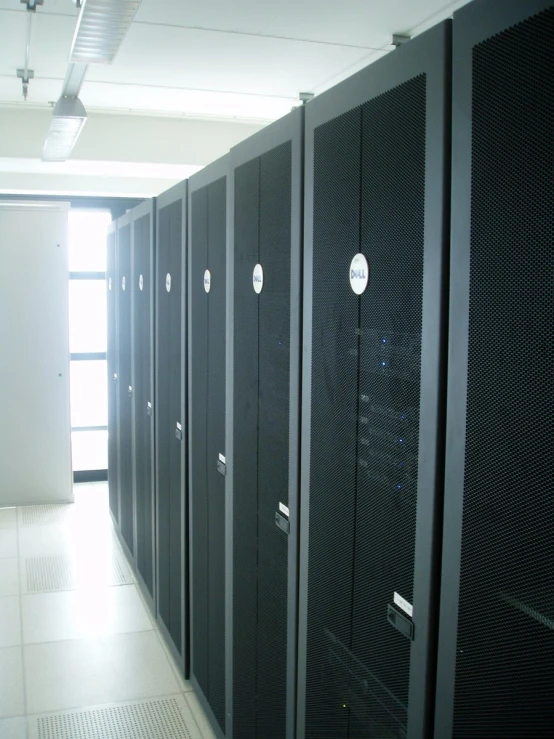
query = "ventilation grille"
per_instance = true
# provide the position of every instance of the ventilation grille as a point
(369, 197)
(45, 574)
(36, 515)
(261, 433)
(158, 719)
(505, 645)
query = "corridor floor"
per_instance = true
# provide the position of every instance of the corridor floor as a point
(80, 655)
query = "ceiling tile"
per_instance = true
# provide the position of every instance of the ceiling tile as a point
(174, 57)
(357, 22)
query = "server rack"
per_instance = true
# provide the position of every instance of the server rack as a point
(143, 223)
(112, 282)
(207, 460)
(171, 422)
(496, 639)
(125, 384)
(376, 216)
(264, 277)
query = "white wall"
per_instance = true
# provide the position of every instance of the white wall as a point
(35, 427)
(116, 154)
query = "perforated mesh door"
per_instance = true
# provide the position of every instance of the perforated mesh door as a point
(261, 427)
(169, 412)
(124, 382)
(245, 456)
(393, 203)
(142, 395)
(273, 438)
(369, 196)
(333, 418)
(505, 647)
(112, 369)
(208, 251)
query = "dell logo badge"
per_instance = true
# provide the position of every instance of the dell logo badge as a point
(359, 274)
(207, 280)
(258, 278)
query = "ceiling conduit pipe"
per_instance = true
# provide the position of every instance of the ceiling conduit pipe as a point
(26, 74)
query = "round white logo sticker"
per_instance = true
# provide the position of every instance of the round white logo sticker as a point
(123, 282)
(258, 278)
(359, 274)
(141, 282)
(207, 280)
(168, 282)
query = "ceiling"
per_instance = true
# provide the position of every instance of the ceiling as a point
(245, 60)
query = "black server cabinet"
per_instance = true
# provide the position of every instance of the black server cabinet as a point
(496, 637)
(143, 391)
(171, 421)
(125, 381)
(111, 300)
(376, 219)
(264, 269)
(207, 460)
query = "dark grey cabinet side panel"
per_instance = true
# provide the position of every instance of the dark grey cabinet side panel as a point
(164, 431)
(199, 342)
(112, 283)
(176, 513)
(126, 521)
(217, 254)
(496, 639)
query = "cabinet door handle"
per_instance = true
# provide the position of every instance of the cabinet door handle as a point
(400, 622)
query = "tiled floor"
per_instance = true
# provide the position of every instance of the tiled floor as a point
(77, 651)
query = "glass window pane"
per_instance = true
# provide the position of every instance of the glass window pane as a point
(89, 393)
(87, 316)
(87, 240)
(89, 450)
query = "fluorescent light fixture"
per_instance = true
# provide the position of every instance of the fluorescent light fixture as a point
(101, 28)
(67, 122)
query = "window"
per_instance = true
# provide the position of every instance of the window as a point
(88, 340)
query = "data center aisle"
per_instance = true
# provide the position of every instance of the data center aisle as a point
(80, 654)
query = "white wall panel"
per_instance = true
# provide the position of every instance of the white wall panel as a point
(35, 446)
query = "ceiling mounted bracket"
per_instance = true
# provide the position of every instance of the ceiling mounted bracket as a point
(31, 4)
(399, 40)
(25, 76)
(305, 97)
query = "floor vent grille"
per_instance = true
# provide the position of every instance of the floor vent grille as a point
(46, 574)
(153, 719)
(34, 515)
